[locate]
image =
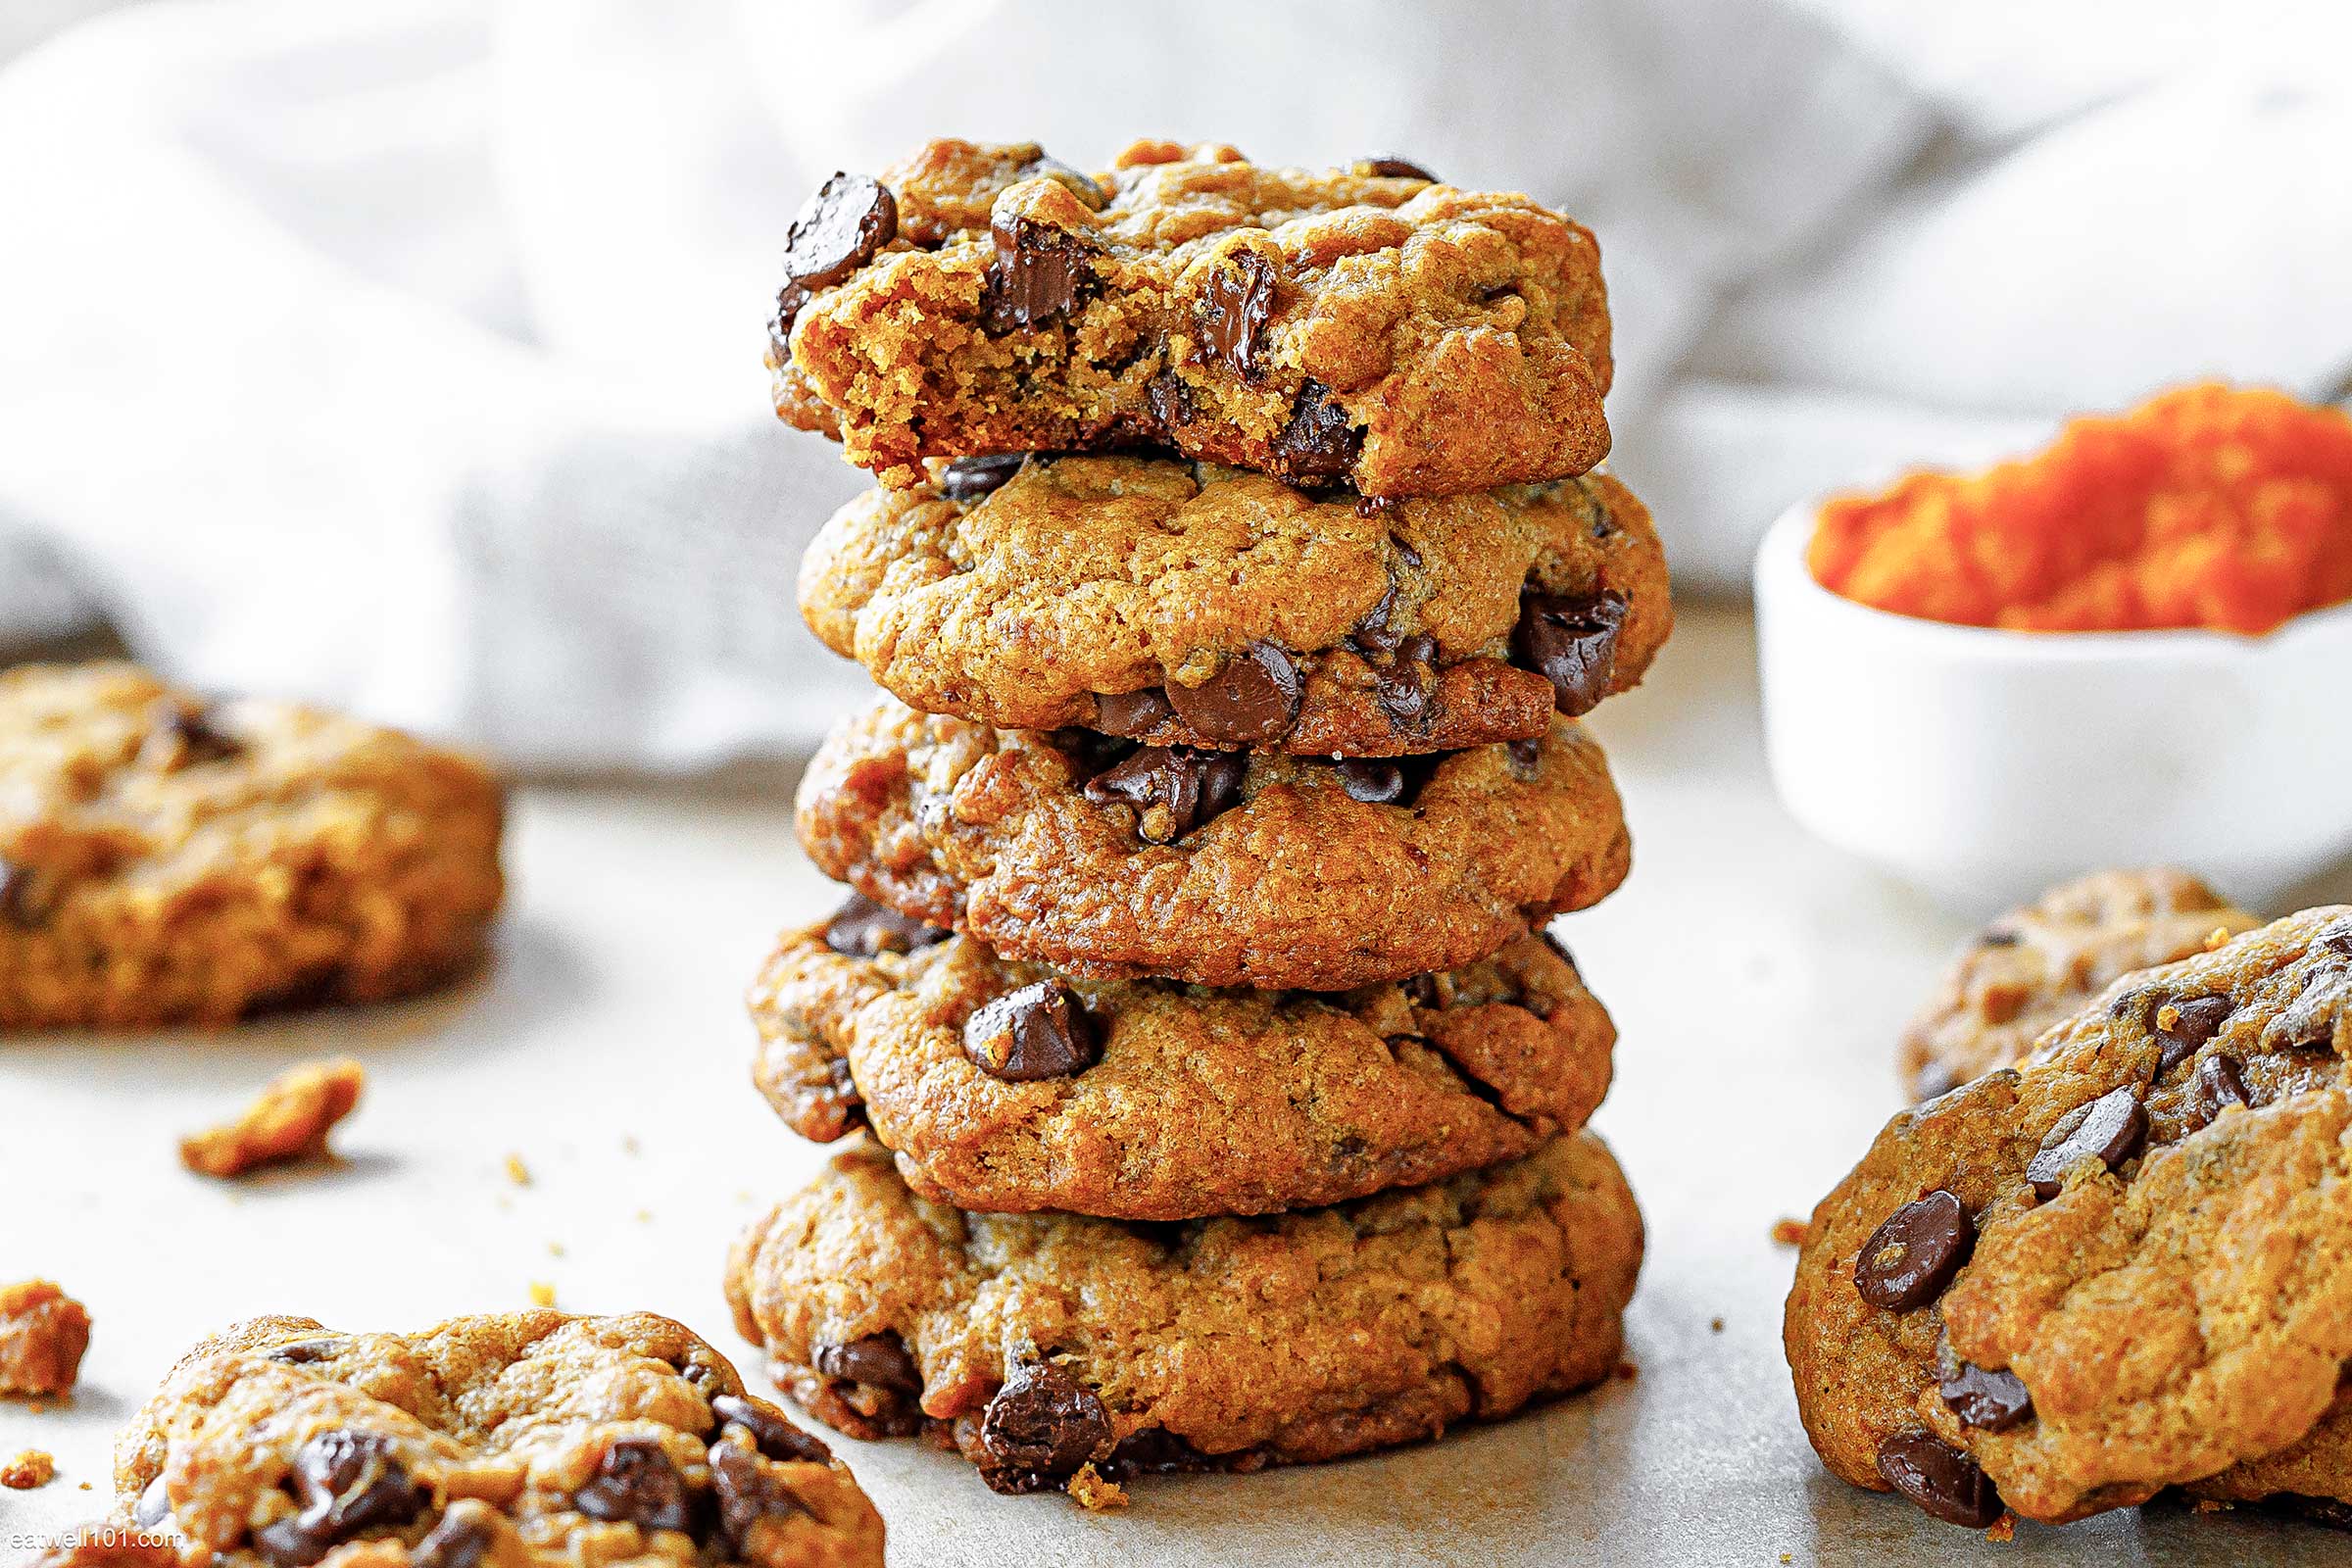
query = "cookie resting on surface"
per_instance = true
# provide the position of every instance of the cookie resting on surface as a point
(1365, 326)
(165, 860)
(1056, 1351)
(2121, 1268)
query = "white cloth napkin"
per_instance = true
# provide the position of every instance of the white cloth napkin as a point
(406, 356)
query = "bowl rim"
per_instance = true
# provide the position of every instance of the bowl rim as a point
(1780, 563)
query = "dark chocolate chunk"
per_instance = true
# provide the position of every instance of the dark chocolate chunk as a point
(190, 738)
(1174, 789)
(1986, 1398)
(970, 478)
(1133, 714)
(1039, 274)
(1393, 169)
(1250, 702)
(2195, 1021)
(635, 1483)
(1318, 446)
(307, 1352)
(459, 1540)
(1157, 1452)
(1373, 635)
(1421, 990)
(1571, 642)
(1044, 1421)
(1040, 1031)
(1236, 303)
(1076, 182)
(2335, 939)
(770, 1434)
(1943, 1481)
(2216, 1084)
(864, 929)
(345, 1482)
(1999, 936)
(1171, 401)
(748, 1493)
(1373, 780)
(2110, 1129)
(839, 230)
(1559, 950)
(878, 1360)
(1910, 1258)
(18, 908)
(1407, 687)
(1526, 759)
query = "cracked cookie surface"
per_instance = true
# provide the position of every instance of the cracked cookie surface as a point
(1060, 1351)
(1218, 868)
(1149, 1099)
(165, 860)
(2123, 1266)
(510, 1440)
(2037, 965)
(1091, 590)
(1373, 329)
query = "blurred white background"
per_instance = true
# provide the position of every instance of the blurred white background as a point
(406, 355)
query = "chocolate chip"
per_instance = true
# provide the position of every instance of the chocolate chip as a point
(459, 1540)
(770, 1434)
(1999, 937)
(1943, 1481)
(191, 738)
(748, 1493)
(2335, 939)
(839, 230)
(864, 929)
(1040, 1031)
(17, 904)
(1174, 789)
(2216, 1084)
(1559, 950)
(1393, 169)
(877, 1360)
(1133, 714)
(1318, 446)
(345, 1482)
(2110, 1130)
(154, 1505)
(1043, 1421)
(1373, 635)
(2194, 1022)
(1157, 1452)
(1572, 642)
(970, 478)
(1526, 759)
(1171, 401)
(1236, 303)
(1986, 1398)
(305, 1352)
(1371, 780)
(635, 1483)
(1251, 701)
(1076, 182)
(1038, 276)
(1910, 1258)
(1405, 689)
(1420, 990)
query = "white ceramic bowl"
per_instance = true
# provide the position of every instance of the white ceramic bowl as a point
(1984, 766)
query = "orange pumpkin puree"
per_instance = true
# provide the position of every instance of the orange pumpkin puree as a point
(2209, 506)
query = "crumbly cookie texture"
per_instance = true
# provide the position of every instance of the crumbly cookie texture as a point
(30, 1469)
(1365, 326)
(2123, 1266)
(43, 1336)
(2037, 965)
(518, 1439)
(289, 1122)
(168, 860)
(1118, 592)
(1004, 1087)
(1059, 1351)
(1215, 869)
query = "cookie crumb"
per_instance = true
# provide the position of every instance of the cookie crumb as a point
(43, 1333)
(1092, 1491)
(1790, 1232)
(542, 1294)
(517, 1172)
(628, 1144)
(555, 1249)
(1626, 1372)
(1715, 1325)
(645, 1216)
(27, 1470)
(289, 1122)
(2004, 1529)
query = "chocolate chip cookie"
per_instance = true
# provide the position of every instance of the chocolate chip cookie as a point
(1007, 1087)
(521, 1438)
(1366, 326)
(44, 1334)
(1160, 600)
(2036, 966)
(1059, 1351)
(2123, 1266)
(165, 860)
(1111, 861)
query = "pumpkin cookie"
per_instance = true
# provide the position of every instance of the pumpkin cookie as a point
(2123, 1266)
(1062, 1353)
(1004, 1087)
(1368, 327)
(1153, 598)
(165, 860)
(1219, 868)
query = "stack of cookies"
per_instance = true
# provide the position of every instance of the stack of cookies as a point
(1239, 576)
